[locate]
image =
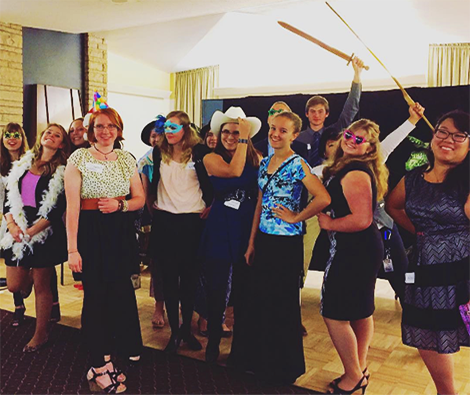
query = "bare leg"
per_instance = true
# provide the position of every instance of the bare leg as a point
(364, 331)
(345, 342)
(441, 367)
(158, 320)
(42, 291)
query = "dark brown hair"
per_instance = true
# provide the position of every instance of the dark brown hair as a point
(5, 158)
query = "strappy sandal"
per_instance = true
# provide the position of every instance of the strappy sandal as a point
(340, 391)
(114, 388)
(337, 380)
(116, 373)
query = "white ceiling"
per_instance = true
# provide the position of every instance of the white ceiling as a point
(164, 33)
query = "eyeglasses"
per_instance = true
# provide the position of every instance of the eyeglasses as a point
(458, 137)
(170, 127)
(12, 135)
(235, 134)
(358, 139)
(110, 127)
(273, 112)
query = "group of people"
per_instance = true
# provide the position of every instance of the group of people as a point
(222, 210)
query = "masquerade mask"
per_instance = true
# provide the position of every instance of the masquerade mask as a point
(14, 135)
(273, 112)
(170, 127)
(348, 135)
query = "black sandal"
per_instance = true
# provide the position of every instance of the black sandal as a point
(338, 390)
(116, 372)
(114, 388)
(337, 380)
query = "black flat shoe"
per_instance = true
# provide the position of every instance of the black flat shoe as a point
(212, 351)
(192, 342)
(173, 344)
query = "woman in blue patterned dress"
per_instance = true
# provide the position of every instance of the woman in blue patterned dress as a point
(275, 251)
(434, 204)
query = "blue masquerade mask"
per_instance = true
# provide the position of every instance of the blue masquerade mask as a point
(171, 127)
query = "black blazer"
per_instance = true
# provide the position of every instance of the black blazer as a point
(199, 151)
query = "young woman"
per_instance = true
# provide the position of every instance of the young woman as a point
(233, 171)
(275, 250)
(77, 133)
(434, 204)
(35, 241)
(103, 247)
(355, 177)
(183, 192)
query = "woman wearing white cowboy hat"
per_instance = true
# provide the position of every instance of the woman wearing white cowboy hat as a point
(233, 170)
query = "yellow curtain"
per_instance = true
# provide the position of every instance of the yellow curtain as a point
(193, 86)
(449, 64)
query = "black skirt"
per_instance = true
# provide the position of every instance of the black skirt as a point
(108, 245)
(51, 253)
(278, 345)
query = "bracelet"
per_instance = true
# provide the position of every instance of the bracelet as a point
(125, 206)
(72, 252)
(243, 141)
(120, 205)
(9, 223)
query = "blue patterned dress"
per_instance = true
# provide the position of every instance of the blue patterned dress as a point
(431, 318)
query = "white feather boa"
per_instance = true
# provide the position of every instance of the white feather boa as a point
(15, 202)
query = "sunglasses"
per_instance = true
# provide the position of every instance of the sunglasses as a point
(272, 112)
(170, 127)
(10, 135)
(348, 135)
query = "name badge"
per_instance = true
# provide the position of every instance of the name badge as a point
(409, 278)
(95, 167)
(191, 166)
(235, 204)
(388, 265)
(309, 147)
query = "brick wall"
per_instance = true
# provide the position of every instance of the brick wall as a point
(11, 73)
(96, 68)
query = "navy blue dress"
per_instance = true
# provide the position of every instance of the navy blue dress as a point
(223, 246)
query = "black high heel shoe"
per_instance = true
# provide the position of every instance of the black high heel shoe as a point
(338, 390)
(114, 388)
(337, 380)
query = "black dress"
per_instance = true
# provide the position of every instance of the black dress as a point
(54, 249)
(431, 318)
(354, 258)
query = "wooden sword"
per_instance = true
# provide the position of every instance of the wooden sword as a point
(308, 37)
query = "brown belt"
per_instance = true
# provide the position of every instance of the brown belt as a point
(92, 204)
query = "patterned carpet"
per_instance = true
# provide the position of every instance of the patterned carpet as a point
(61, 366)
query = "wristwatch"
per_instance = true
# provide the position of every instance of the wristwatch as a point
(243, 141)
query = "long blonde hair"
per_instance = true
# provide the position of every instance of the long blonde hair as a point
(59, 158)
(373, 159)
(190, 139)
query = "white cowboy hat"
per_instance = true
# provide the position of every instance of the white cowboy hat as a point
(232, 115)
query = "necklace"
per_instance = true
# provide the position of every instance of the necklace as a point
(105, 154)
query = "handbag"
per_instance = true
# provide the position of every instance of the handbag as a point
(465, 313)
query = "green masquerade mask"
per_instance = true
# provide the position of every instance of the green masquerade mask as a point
(273, 112)
(12, 135)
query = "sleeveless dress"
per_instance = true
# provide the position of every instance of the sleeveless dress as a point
(354, 260)
(431, 318)
(223, 245)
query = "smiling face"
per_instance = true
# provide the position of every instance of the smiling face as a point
(351, 147)
(105, 132)
(12, 141)
(52, 138)
(211, 140)
(281, 133)
(447, 151)
(229, 136)
(174, 138)
(77, 132)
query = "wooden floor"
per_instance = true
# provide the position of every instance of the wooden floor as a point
(395, 368)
